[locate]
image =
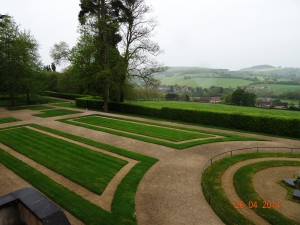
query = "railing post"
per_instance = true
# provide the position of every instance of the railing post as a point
(231, 153)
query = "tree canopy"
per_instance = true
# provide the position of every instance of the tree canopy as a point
(19, 60)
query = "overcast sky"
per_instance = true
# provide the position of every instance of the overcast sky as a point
(230, 34)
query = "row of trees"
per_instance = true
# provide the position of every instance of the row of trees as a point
(114, 47)
(20, 64)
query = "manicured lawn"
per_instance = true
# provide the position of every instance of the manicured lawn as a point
(220, 108)
(140, 128)
(123, 207)
(243, 184)
(88, 168)
(211, 186)
(56, 112)
(101, 123)
(8, 120)
(36, 107)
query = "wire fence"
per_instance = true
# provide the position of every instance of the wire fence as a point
(290, 150)
(215, 203)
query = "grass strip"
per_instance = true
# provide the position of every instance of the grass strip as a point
(242, 180)
(84, 210)
(226, 137)
(124, 200)
(8, 120)
(56, 112)
(141, 128)
(211, 186)
(91, 169)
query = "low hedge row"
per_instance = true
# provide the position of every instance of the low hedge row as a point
(268, 125)
(63, 95)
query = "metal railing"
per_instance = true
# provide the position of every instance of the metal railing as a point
(291, 150)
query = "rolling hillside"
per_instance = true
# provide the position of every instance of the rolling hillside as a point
(201, 77)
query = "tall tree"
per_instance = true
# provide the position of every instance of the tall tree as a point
(61, 53)
(102, 18)
(138, 50)
(19, 60)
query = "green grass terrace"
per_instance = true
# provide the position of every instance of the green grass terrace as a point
(170, 136)
(56, 112)
(88, 168)
(75, 162)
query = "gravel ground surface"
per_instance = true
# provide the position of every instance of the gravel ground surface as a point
(170, 192)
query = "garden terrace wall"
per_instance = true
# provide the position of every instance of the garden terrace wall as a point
(268, 125)
(63, 95)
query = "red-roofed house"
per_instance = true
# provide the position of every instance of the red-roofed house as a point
(215, 100)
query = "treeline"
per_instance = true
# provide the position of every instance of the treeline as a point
(19, 61)
(113, 51)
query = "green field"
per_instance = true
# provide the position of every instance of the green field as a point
(220, 108)
(8, 120)
(204, 82)
(168, 135)
(56, 112)
(88, 168)
(279, 89)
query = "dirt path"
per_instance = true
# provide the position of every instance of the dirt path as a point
(227, 184)
(170, 192)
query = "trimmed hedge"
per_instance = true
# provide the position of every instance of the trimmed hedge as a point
(63, 95)
(268, 125)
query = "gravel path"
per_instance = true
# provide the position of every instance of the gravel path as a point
(170, 192)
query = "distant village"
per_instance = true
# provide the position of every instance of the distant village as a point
(215, 95)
